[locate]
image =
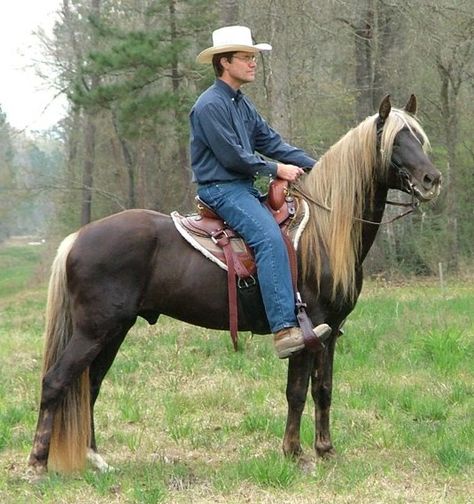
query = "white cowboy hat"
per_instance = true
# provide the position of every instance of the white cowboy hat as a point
(229, 39)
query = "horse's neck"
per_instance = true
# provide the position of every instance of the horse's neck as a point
(373, 213)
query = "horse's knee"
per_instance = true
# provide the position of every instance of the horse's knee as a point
(296, 398)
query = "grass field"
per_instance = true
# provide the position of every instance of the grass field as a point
(184, 419)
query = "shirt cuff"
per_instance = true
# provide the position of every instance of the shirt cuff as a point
(271, 169)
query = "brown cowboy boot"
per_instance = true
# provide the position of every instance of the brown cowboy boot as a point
(290, 340)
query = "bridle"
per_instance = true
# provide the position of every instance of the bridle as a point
(413, 205)
(405, 179)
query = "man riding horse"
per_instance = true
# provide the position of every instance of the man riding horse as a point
(226, 133)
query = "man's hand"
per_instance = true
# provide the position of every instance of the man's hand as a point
(289, 172)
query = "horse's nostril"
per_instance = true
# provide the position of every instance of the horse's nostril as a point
(428, 181)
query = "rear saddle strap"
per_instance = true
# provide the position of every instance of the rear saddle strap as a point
(283, 208)
(234, 267)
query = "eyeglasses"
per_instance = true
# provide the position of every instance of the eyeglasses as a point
(247, 59)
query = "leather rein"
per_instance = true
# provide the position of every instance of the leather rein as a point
(404, 175)
(413, 204)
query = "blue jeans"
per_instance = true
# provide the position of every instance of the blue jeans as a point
(238, 203)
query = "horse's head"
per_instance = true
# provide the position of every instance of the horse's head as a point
(409, 168)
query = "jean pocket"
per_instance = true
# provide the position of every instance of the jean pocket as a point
(210, 194)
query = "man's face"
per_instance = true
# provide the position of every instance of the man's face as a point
(242, 67)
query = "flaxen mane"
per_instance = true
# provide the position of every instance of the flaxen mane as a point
(341, 182)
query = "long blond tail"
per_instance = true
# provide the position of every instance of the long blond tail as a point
(71, 427)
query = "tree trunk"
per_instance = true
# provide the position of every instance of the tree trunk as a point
(386, 34)
(277, 72)
(88, 168)
(89, 140)
(449, 110)
(129, 165)
(179, 117)
(363, 33)
(228, 12)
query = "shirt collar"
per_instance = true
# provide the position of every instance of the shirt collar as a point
(229, 91)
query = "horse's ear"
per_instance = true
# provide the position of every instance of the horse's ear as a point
(410, 107)
(385, 107)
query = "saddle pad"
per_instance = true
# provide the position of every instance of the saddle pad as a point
(213, 252)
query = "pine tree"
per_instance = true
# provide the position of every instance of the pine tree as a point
(141, 72)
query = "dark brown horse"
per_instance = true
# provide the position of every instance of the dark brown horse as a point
(135, 264)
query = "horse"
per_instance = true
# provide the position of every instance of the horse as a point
(135, 264)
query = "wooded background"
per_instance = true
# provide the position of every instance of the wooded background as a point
(128, 70)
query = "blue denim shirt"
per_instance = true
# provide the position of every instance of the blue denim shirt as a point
(226, 133)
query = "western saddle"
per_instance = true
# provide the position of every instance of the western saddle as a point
(240, 263)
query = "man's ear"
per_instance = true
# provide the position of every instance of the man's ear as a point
(224, 62)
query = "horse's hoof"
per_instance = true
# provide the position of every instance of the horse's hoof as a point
(98, 462)
(325, 451)
(35, 473)
(293, 452)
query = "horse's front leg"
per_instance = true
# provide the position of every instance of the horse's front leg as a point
(321, 390)
(299, 370)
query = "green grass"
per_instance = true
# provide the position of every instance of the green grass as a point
(183, 418)
(17, 268)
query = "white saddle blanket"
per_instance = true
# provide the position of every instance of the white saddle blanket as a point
(206, 246)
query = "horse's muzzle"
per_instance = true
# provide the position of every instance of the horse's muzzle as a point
(428, 189)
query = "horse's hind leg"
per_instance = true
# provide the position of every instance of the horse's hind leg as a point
(38, 458)
(321, 390)
(62, 376)
(97, 372)
(299, 369)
